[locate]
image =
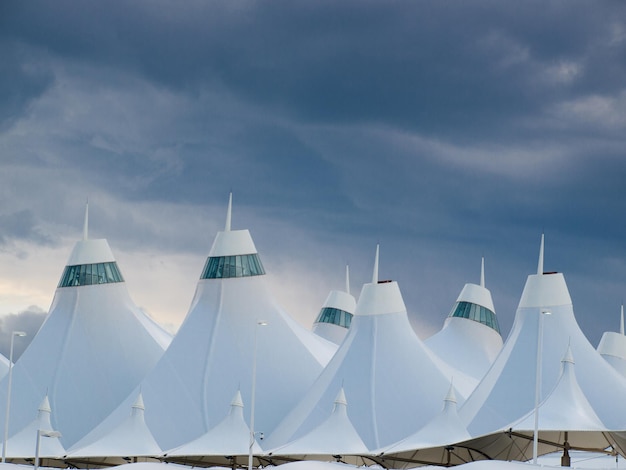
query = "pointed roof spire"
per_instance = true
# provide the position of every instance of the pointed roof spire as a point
(621, 321)
(540, 263)
(375, 275)
(341, 398)
(482, 272)
(229, 212)
(568, 356)
(86, 226)
(45, 405)
(237, 400)
(138, 405)
(451, 396)
(348, 279)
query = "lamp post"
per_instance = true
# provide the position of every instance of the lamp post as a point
(8, 409)
(538, 382)
(42, 433)
(252, 399)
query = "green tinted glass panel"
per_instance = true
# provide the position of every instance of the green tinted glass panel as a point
(222, 267)
(477, 313)
(334, 316)
(90, 274)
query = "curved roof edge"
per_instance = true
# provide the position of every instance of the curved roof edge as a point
(545, 290)
(90, 252)
(613, 344)
(477, 295)
(233, 242)
(341, 300)
(378, 299)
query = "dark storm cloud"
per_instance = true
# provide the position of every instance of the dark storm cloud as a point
(425, 65)
(445, 130)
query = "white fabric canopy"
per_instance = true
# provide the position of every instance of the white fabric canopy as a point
(466, 344)
(336, 436)
(22, 445)
(214, 354)
(393, 383)
(131, 438)
(429, 443)
(507, 392)
(89, 354)
(230, 437)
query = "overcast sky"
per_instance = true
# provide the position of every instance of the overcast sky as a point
(445, 131)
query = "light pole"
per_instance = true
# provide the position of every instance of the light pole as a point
(8, 409)
(41, 433)
(252, 399)
(538, 382)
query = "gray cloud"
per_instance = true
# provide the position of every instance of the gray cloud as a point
(22, 225)
(29, 321)
(447, 131)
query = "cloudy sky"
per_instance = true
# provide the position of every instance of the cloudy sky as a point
(445, 131)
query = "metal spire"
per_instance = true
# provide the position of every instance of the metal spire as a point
(540, 263)
(621, 322)
(229, 212)
(347, 278)
(375, 275)
(482, 272)
(86, 226)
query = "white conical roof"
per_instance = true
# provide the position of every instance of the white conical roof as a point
(469, 344)
(213, 354)
(507, 391)
(444, 429)
(339, 305)
(131, 438)
(612, 347)
(380, 351)
(231, 436)
(564, 418)
(565, 409)
(22, 444)
(334, 436)
(91, 351)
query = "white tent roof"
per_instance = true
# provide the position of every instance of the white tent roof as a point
(131, 438)
(612, 347)
(22, 444)
(565, 408)
(343, 302)
(91, 351)
(231, 436)
(466, 344)
(445, 428)
(213, 354)
(380, 351)
(334, 436)
(507, 392)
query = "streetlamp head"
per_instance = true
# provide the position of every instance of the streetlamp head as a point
(546, 312)
(262, 323)
(19, 333)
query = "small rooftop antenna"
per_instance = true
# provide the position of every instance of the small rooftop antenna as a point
(375, 275)
(229, 212)
(86, 226)
(621, 321)
(540, 263)
(347, 278)
(482, 272)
